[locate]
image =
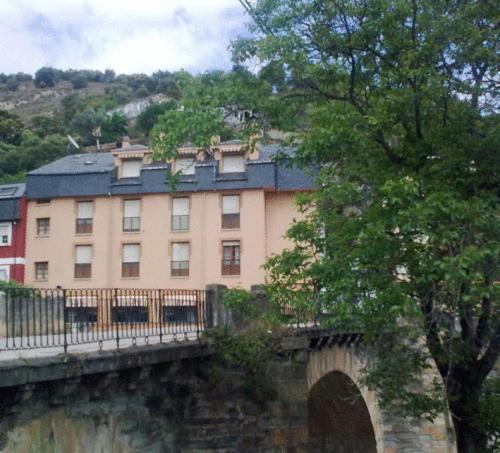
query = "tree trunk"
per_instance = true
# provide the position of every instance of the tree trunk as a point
(469, 438)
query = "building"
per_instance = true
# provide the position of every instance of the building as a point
(12, 232)
(113, 220)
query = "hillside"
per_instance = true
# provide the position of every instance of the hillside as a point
(28, 100)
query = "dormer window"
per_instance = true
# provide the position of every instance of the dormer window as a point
(131, 168)
(233, 164)
(185, 165)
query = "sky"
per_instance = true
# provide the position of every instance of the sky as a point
(129, 36)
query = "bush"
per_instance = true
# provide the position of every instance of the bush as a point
(79, 81)
(12, 84)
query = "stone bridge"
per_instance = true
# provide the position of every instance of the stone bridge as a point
(180, 397)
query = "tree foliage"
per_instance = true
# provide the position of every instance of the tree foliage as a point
(401, 239)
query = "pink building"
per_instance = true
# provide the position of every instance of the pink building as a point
(112, 220)
(12, 232)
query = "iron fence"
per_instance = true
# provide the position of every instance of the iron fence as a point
(45, 318)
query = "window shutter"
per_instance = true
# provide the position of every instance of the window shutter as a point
(230, 243)
(132, 208)
(180, 206)
(85, 209)
(231, 204)
(180, 251)
(131, 253)
(83, 254)
(131, 168)
(233, 164)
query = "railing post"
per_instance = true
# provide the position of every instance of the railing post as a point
(160, 312)
(64, 321)
(114, 317)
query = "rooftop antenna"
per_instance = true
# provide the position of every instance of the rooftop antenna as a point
(72, 141)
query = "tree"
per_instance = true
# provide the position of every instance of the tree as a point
(149, 116)
(46, 77)
(401, 238)
(113, 128)
(43, 125)
(11, 128)
(84, 123)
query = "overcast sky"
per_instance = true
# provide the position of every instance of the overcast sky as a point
(125, 35)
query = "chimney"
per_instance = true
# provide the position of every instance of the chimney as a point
(125, 141)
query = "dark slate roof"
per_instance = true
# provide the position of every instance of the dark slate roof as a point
(10, 200)
(72, 176)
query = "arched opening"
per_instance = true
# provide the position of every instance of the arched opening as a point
(339, 421)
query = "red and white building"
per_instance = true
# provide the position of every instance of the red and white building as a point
(12, 232)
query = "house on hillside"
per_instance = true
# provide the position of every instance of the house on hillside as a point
(133, 109)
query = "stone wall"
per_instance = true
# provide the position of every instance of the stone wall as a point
(185, 406)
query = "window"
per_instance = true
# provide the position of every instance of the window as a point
(83, 261)
(131, 168)
(180, 259)
(5, 233)
(185, 165)
(43, 226)
(41, 270)
(233, 164)
(180, 214)
(231, 258)
(6, 192)
(84, 214)
(131, 215)
(131, 260)
(5, 273)
(42, 201)
(230, 211)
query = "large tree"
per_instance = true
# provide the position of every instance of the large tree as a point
(401, 238)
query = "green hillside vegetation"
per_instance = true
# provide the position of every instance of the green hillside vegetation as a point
(38, 112)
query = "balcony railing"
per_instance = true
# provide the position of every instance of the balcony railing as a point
(179, 269)
(180, 222)
(83, 270)
(83, 226)
(131, 224)
(231, 267)
(130, 270)
(230, 221)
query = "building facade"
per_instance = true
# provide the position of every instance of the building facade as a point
(116, 220)
(12, 232)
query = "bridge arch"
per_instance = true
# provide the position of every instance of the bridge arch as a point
(342, 414)
(334, 370)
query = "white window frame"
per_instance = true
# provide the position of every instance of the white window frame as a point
(5, 268)
(9, 234)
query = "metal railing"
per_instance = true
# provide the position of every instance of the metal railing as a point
(48, 318)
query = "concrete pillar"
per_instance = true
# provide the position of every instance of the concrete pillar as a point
(217, 314)
(260, 298)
